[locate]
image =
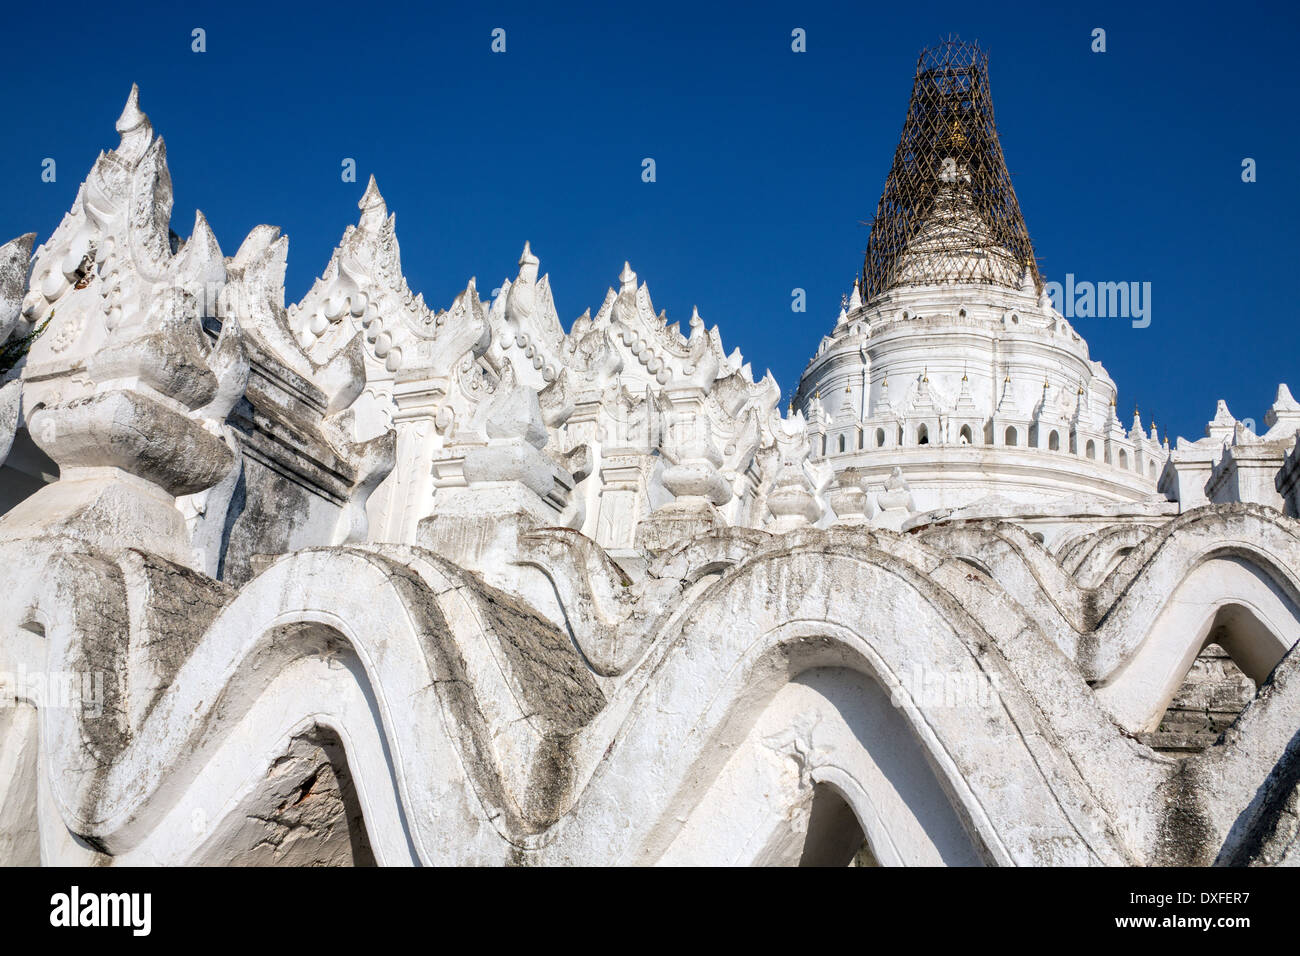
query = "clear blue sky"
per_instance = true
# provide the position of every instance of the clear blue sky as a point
(1127, 163)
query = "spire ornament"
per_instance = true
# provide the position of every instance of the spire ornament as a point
(948, 212)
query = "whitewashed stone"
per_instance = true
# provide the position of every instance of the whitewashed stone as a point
(353, 580)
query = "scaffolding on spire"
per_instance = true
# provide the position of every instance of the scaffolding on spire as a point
(948, 212)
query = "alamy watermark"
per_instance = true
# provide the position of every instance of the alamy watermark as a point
(1102, 300)
(66, 690)
(133, 911)
(930, 689)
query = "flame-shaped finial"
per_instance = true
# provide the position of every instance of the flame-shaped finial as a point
(374, 211)
(134, 128)
(131, 118)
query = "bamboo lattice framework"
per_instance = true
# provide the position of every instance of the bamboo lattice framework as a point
(948, 212)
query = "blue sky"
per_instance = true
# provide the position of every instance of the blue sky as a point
(1127, 164)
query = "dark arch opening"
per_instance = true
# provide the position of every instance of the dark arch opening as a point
(834, 837)
(1234, 661)
(305, 813)
(25, 471)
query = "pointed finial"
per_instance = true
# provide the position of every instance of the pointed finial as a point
(527, 269)
(202, 232)
(131, 117)
(133, 126)
(372, 196)
(374, 211)
(627, 276)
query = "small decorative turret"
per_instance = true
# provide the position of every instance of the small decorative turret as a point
(1137, 424)
(1219, 428)
(855, 300)
(1283, 418)
(1006, 404)
(965, 401)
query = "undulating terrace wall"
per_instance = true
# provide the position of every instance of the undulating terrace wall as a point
(354, 580)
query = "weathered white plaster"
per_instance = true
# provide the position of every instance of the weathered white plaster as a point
(356, 580)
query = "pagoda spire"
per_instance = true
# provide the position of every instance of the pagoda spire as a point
(948, 212)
